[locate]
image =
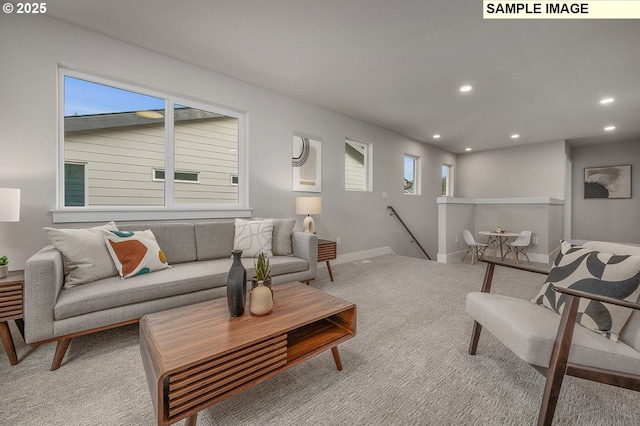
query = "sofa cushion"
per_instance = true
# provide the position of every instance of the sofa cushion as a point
(135, 252)
(178, 240)
(84, 253)
(281, 244)
(214, 240)
(529, 330)
(585, 269)
(253, 237)
(114, 291)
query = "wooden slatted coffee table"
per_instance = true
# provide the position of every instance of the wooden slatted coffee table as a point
(198, 355)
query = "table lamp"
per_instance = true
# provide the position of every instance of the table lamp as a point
(9, 210)
(309, 206)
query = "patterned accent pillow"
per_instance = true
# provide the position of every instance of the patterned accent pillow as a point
(580, 268)
(135, 252)
(253, 237)
(84, 254)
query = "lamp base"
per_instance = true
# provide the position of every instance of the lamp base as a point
(308, 225)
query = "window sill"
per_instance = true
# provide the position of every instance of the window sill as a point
(105, 214)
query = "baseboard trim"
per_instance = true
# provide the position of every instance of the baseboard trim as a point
(358, 255)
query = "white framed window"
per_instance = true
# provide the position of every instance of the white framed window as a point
(447, 186)
(357, 166)
(411, 175)
(144, 151)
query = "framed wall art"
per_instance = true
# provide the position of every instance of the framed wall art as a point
(607, 182)
(307, 164)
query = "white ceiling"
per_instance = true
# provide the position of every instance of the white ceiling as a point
(399, 63)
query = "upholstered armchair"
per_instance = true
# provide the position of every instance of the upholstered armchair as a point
(605, 344)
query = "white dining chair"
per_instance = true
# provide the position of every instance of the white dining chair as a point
(476, 249)
(518, 246)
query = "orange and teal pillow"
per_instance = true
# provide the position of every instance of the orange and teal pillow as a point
(135, 252)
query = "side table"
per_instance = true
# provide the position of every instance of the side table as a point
(11, 302)
(327, 250)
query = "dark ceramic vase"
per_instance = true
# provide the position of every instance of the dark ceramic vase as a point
(236, 285)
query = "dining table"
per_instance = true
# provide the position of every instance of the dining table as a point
(498, 241)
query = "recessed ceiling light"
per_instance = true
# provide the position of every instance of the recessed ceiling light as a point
(436, 136)
(515, 136)
(606, 100)
(467, 149)
(466, 88)
(149, 114)
(609, 128)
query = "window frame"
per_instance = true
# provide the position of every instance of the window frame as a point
(171, 209)
(368, 165)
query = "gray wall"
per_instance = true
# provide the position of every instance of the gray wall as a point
(34, 46)
(603, 219)
(534, 170)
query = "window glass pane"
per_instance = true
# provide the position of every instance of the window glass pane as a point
(119, 135)
(410, 175)
(74, 185)
(355, 166)
(446, 180)
(206, 145)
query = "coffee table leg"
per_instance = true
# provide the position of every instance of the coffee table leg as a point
(336, 357)
(191, 420)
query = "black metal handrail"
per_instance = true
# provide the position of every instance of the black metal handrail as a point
(413, 238)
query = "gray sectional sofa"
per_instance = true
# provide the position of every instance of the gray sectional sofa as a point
(200, 258)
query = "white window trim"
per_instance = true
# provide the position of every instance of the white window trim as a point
(171, 210)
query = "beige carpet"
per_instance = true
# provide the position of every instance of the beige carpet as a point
(407, 365)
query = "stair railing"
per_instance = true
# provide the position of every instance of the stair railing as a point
(413, 238)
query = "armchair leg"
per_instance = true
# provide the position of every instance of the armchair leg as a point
(61, 349)
(558, 362)
(475, 337)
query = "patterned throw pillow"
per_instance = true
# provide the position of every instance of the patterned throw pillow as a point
(85, 256)
(253, 237)
(135, 252)
(579, 268)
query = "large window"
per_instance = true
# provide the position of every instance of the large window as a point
(357, 166)
(130, 150)
(411, 175)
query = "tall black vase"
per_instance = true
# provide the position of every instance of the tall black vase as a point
(236, 285)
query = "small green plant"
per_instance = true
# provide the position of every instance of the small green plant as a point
(4, 261)
(263, 270)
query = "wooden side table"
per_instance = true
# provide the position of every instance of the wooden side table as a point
(327, 250)
(11, 303)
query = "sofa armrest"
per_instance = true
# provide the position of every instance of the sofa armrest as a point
(43, 281)
(305, 246)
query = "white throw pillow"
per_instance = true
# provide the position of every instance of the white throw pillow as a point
(135, 252)
(84, 253)
(253, 237)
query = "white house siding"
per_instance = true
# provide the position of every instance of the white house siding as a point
(353, 169)
(120, 162)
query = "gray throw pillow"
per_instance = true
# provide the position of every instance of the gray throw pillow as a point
(85, 254)
(282, 230)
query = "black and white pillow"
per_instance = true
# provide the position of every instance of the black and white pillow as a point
(588, 270)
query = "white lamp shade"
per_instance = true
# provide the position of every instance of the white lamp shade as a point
(308, 205)
(9, 205)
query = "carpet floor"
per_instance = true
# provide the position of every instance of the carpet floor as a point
(407, 365)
